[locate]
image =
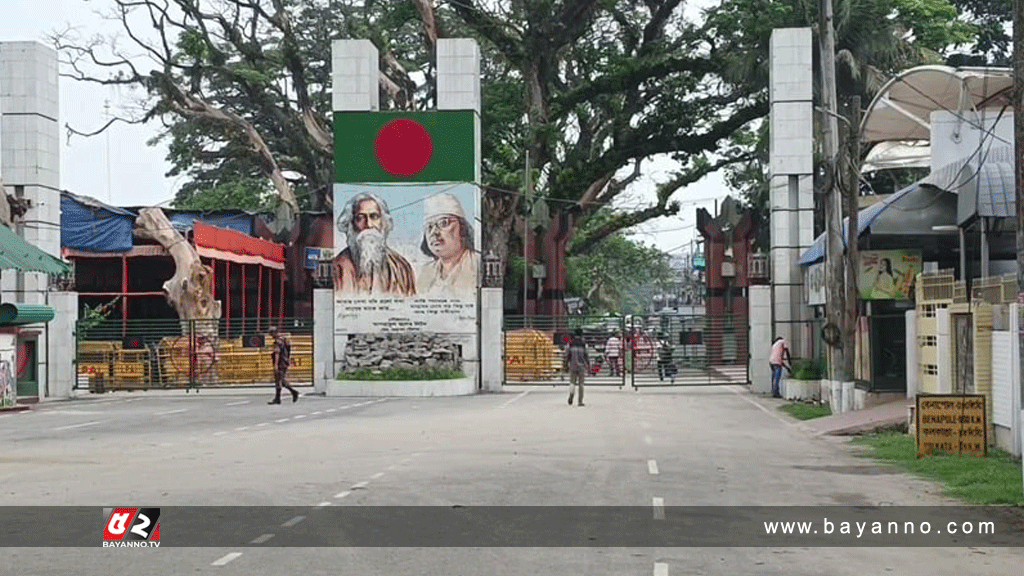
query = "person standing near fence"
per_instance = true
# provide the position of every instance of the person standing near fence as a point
(777, 360)
(612, 350)
(280, 358)
(577, 361)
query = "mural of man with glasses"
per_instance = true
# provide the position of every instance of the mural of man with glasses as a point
(448, 239)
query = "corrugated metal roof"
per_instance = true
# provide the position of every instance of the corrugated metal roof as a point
(17, 254)
(915, 210)
(990, 193)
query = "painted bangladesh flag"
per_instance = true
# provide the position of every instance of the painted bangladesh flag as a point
(431, 146)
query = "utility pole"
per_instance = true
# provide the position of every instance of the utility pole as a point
(852, 252)
(1018, 136)
(833, 194)
(527, 213)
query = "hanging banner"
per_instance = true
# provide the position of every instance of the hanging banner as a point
(406, 258)
(888, 274)
(814, 282)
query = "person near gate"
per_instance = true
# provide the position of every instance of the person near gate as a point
(280, 358)
(577, 362)
(777, 360)
(666, 367)
(612, 351)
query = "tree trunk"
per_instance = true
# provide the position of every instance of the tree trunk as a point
(189, 292)
(499, 215)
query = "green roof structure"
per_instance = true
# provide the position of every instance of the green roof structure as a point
(17, 254)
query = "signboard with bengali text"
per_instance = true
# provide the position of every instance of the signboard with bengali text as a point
(952, 424)
(406, 258)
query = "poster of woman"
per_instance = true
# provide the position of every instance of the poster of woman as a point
(888, 274)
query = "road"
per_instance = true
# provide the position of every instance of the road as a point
(711, 446)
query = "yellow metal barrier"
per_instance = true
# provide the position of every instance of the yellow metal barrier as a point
(530, 354)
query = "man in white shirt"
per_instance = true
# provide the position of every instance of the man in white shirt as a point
(612, 351)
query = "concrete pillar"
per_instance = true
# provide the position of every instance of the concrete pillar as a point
(355, 76)
(60, 344)
(491, 336)
(791, 167)
(944, 352)
(1017, 403)
(323, 338)
(30, 165)
(458, 81)
(761, 336)
(458, 88)
(913, 354)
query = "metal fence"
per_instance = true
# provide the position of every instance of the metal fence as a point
(533, 345)
(655, 350)
(147, 354)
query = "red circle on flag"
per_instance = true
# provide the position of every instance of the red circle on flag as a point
(403, 147)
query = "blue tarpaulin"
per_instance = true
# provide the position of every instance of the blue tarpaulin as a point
(87, 224)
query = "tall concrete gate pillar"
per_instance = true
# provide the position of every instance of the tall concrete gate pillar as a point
(30, 168)
(458, 88)
(791, 169)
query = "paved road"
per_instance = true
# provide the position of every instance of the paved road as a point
(654, 449)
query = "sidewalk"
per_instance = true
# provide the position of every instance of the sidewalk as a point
(860, 421)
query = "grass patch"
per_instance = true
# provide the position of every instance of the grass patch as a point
(805, 410)
(995, 479)
(388, 374)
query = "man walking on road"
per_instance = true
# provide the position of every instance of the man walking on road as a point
(578, 363)
(280, 358)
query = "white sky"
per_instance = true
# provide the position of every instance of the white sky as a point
(120, 168)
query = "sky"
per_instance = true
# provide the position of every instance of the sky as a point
(120, 168)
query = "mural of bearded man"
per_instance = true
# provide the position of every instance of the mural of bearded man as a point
(367, 265)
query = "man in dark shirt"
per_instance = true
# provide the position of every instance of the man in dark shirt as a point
(280, 358)
(578, 363)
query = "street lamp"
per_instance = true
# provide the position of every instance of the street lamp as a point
(493, 273)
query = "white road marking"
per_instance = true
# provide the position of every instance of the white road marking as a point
(518, 396)
(82, 425)
(263, 424)
(393, 466)
(659, 508)
(178, 411)
(652, 466)
(331, 410)
(660, 569)
(293, 521)
(376, 476)
(343, 494)
(742, 394)
(261, 539)
(299, 416)
(648, 440)
(323, 504)
(317, 413)
(238, 403)
(221, 433)
(226, 558)
(281, 420)
(360, 485)
(240, 428)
